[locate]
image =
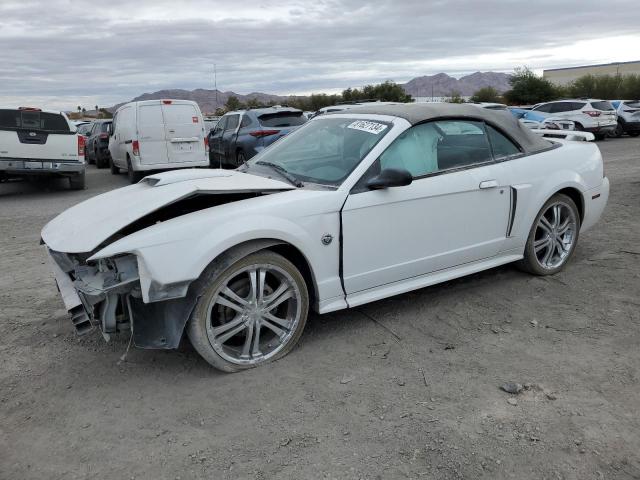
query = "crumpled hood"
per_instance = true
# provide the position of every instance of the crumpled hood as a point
(84, 227)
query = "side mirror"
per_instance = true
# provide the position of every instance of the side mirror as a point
(390, 177)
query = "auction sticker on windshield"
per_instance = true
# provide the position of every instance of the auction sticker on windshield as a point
(370, 127)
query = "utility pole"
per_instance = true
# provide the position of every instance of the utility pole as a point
(215, 83)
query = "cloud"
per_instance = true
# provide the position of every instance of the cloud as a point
(69, 52)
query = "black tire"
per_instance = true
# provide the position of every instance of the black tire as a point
(217, 277)
(600, 136)
(101, 162)
(240, 158)
(634, 134)
(134, 177)
(114, 170)
(77, 182)
(619, 131)
(530, 263)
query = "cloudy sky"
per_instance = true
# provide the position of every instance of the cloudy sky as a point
(64, 53)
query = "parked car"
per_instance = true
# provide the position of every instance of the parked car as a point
(491, 106)
(210, 123)
(97, 143)
(83, 127)
(35, 142)
(628, 117)
(157, 135)
(350, 208)
(241, 134)
(595, 116)
(348, 106)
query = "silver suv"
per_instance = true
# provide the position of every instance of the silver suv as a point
(589, 115)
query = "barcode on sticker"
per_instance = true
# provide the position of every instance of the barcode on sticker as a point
(370, 127)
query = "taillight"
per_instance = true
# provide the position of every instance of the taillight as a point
(167, 102)
(206, 144)
(136, 148)
(104, 136)
(592, 113)
(29, 109)
(80, 145)
(264, 133)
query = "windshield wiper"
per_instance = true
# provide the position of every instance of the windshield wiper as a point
(283, 172)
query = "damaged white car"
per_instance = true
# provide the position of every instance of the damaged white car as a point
(351, 208)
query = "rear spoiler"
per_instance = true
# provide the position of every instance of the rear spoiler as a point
(566, 134)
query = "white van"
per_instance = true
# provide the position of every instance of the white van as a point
(157, 135)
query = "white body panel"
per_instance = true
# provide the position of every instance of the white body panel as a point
(392, 241)
(170, 134)
(61, 147)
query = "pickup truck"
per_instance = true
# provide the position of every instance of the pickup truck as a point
(35, 142)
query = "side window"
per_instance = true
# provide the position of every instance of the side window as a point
(232, 122)
(502, 147)
(246, 121)
(543, 108)
(560, 107)
(436, 146)
(415, 150)
(220, 126)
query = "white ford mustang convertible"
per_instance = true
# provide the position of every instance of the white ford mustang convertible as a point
(350, 208)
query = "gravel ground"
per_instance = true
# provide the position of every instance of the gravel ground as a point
(403, 388)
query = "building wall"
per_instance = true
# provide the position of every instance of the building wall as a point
(563, 76)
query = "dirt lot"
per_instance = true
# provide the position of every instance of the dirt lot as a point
(403, 388)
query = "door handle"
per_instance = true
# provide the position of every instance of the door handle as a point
(489, 184)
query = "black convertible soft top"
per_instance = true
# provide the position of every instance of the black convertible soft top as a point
(416, 113)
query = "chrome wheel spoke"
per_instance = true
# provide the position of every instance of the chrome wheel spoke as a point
(255, 349)
(254, 281)
(281, 322)
(239, 303)
(545, 225)
(248, 340)
(564, 226)
(547, 255)
(229, 331)
(541, 244)
(282, 293)
(557, 212)
(280, 332)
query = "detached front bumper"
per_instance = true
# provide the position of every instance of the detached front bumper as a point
(108, 295)
(16, 166)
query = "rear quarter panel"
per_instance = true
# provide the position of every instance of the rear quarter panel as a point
(537, 177)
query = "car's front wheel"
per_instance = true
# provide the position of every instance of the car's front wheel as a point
(553, 237)
(251, 312)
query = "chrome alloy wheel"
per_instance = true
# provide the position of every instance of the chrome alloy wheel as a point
(253, 314)
(555, 235)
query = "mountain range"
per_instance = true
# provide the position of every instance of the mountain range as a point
(438, 85)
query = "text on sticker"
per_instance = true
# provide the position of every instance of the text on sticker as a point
(370, 127)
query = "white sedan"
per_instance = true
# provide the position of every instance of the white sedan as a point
(351, 208)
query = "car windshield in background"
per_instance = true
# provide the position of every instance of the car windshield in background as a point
(325, 150)
(84, 128)
(105, 127)
(32, 120)
(633, 104)
(602, 105)
(282, 119)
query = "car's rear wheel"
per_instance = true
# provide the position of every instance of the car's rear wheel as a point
(619, 131)
(634, 134)
(251, 312)
(100, 160)
(112, 166)
(134, 177)
(77, 182)
(553, 237)
(240, 158)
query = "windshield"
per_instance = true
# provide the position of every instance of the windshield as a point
(325, 150)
